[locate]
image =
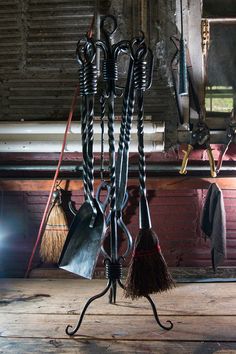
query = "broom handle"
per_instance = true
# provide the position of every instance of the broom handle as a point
(144, 213)
(42, 224)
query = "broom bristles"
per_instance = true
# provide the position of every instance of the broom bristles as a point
(54, 235)
(148, 272)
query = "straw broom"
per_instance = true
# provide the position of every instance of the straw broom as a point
(55, 231)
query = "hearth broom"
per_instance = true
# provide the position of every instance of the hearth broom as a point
(148, 272)
(55, 231)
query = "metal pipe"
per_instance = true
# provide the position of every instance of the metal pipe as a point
(216, 137)
(58, 127)
(71, 146)
(151, 168)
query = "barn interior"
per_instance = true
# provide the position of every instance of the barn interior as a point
(117, 118)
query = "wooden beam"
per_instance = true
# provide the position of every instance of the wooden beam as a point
(170, 183)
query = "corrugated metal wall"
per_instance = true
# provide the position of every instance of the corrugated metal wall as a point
(37, 55)
(175, 217)
(38, 69)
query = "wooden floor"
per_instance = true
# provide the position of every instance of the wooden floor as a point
(35, 312)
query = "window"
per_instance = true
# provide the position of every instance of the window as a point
(219, 98)
(219, 48)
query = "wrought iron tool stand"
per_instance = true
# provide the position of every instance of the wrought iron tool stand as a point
(113, 262)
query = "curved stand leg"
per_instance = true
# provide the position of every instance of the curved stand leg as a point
(153, 309)
(73, 331)
(121, 284)
(156, 315)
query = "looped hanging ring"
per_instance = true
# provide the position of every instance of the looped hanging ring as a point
(86, 51)
(109, 19)
(139, 48)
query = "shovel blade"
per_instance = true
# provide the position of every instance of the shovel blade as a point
(83, 243)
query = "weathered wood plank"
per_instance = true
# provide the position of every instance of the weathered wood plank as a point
(181, 274)
(68, 296)
(186, 328)
(78, 346)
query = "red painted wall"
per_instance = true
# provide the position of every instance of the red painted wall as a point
(175, 217)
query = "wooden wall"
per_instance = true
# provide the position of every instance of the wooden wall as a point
(175, 217)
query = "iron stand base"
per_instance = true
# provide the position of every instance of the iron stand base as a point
(113, 274)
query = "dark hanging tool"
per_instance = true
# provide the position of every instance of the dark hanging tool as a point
(200, 138)
(183, 76)
(174, 68)
(179, 65)
(84, 239)
(230, 135)
(194, 99)
(148, 272)
(200, 134)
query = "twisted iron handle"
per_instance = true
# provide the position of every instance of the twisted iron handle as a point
(123, 127)
(144, 213)
(103, 111)
(88, 86)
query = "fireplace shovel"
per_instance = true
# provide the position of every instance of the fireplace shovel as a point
(83, 243)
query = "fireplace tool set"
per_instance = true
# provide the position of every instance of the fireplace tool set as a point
(148, 271)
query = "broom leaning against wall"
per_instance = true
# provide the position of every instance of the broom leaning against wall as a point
(55, 231)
